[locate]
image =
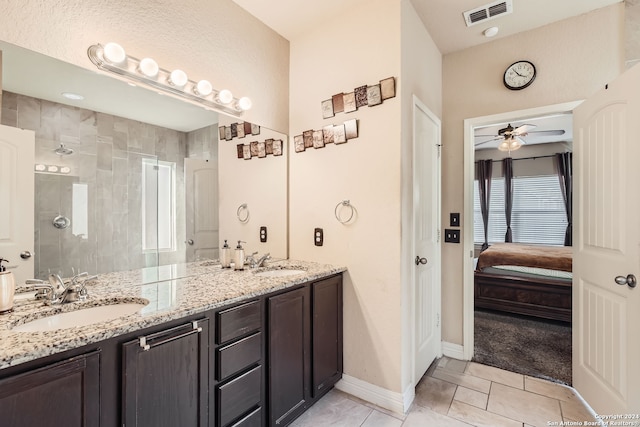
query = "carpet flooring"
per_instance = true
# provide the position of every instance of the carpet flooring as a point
(529, 346)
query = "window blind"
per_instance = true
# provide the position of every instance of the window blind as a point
(538, 215)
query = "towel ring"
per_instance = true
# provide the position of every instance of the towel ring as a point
(243, 213)
(348, 204)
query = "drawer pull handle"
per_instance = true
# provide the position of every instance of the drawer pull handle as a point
(195, 329)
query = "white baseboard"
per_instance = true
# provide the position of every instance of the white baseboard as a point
(454, 351)
(387, 399)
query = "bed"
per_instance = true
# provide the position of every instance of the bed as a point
(525, 279)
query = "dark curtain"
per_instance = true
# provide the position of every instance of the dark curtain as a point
(507, 171)
(565, 175)
(483, 175)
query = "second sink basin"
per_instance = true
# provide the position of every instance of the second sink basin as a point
(280, 272)
(80, 317)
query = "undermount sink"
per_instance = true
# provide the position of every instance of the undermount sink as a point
(280, 272)
(81, 317)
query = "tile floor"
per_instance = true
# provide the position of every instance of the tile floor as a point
(458, 393)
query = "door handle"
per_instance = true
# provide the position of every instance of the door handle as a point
(420, 260)
(630, 280)
(25, 254)
(190, 241)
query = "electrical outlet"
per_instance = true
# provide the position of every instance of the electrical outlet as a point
(318, 236)
(454, 219)
(451, 236)
(263, 234)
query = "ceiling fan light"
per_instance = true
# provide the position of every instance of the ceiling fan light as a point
(504, 146)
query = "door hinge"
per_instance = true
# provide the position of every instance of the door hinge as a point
(438, 241)
(437, 320)
(439, 149)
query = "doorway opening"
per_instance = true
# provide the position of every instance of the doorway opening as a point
(530, 139)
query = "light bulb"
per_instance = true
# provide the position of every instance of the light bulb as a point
(244, 103)
(178, 78)
(203, 88)
(148, 67)
(225, 96)
(504, 146)
(41, 168)
(114, 53)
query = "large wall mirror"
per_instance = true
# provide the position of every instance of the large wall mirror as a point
(139, 180)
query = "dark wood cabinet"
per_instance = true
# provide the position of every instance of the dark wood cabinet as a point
(326, 354)
(61, 394)
(262, 361)
(289, 345)
(239, 369)
(165, 377)
(304, 347)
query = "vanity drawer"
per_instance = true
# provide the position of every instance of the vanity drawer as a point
(239, 395)
(237, 321)
(254, 419)
(238, 355)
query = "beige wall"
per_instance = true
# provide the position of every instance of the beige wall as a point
(213, 39)
(574, 58)
(421, 76)
(371, 171)
(361, 47)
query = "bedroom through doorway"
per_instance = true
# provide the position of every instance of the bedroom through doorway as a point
(518, 183)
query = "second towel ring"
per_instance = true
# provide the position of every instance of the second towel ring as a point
(344, 203)
(243, 213)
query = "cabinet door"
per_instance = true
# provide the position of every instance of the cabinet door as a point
(165, 378)
(326, 356)
(288, 353)
(63, 394)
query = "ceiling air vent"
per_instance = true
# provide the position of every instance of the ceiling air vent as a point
(488, 12)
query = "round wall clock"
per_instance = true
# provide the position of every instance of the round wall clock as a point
(519, 75)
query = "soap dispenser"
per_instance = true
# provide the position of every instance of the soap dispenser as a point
(238, 258)
(225, 255)
(7, 288)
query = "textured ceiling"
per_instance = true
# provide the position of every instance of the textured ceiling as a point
(442, 18)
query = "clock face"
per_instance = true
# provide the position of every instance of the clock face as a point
(519, 75)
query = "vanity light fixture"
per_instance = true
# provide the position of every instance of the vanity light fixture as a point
(148, 67)
(112, 58)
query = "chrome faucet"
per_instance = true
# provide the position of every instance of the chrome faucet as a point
(255, 263)
(59, 291)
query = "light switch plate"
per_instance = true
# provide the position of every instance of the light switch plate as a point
(454, 219)
(318, 236)
(451, 236)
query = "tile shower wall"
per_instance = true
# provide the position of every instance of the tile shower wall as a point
(108, 155)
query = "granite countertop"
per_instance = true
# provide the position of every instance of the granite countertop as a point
(172, 292)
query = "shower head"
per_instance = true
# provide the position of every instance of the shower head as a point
(63, 151)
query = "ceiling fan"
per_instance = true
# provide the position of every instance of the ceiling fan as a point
(512, 137)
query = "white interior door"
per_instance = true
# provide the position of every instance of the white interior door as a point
(202, 228)
(17, 157)
(426, 214)
(606, 316)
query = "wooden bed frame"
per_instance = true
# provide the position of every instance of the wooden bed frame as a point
(538, 297)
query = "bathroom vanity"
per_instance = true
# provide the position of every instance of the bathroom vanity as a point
(213, 348)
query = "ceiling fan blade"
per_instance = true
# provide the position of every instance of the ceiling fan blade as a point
(485, 136)
(487, 141)
(523, 129)
(549, 132)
